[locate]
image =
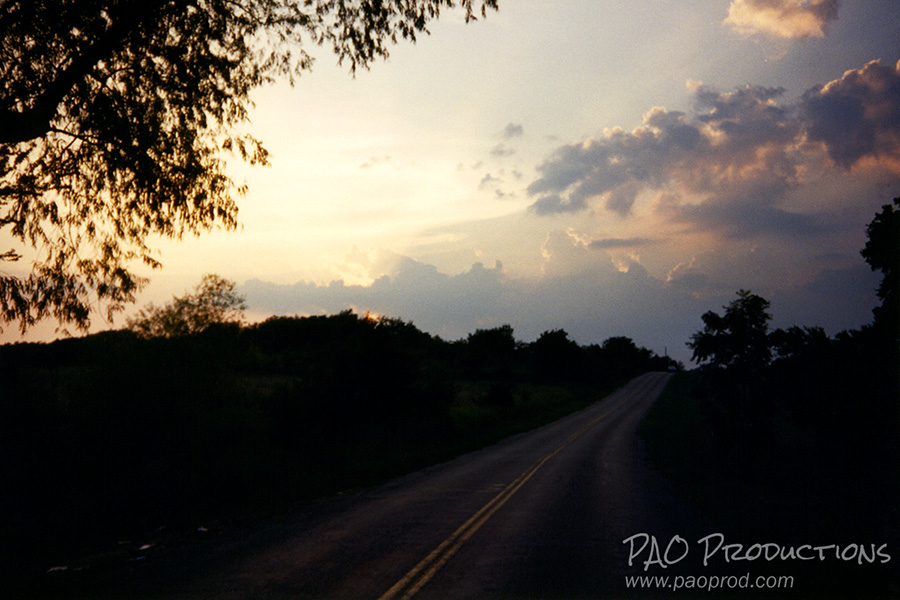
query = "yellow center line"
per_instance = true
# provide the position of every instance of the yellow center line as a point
(438, 557)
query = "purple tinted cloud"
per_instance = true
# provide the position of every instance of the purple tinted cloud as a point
(732, 164)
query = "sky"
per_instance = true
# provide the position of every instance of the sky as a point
(607, 167)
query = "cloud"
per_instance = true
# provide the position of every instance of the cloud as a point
(443, 304)
(487, 181)
(737, 142)
(512, 130)
(738, 163)
(502, 150)
(609, 243)
(793, 19)
(841, 298)
(375, 161)
(742, 219)
(689, 281)
(857, 115)
(554, 204)
(582, 290)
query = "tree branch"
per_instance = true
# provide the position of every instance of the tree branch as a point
(34, 122)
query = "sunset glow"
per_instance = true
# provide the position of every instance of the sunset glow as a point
(610, 168)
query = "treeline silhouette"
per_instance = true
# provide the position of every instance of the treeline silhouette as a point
(804, 451)
(111, 436)
(792, 435)
(814, 436)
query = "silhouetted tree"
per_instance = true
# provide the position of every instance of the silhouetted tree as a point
(556, 357)
(116, 117)
(490, 352)
(621, 357)
(798, 341)
(213, 301)
(738, 339)
(778, 411)
(882, 252)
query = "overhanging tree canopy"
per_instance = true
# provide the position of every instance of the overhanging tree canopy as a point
(116, 117)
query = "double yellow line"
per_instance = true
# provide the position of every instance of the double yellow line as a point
(422, 573)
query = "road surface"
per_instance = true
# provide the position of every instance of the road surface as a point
(540, 515)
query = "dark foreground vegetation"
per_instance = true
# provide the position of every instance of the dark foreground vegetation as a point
(118, 435)
(792, 436)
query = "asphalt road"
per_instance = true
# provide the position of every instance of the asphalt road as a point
(540, 515)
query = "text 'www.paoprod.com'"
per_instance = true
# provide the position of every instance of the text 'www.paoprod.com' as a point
(709, 582)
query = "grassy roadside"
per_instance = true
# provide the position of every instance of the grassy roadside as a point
(480, 413)
(768, 473)
(682, 443)
(251, 471)
(777, 479)
(526, 406)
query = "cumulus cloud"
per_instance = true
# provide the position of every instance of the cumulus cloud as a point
(581, 290)
(737, 145)
(793, 19)
(412, 290)
(735, 162)
(858, 115)
(589, 298)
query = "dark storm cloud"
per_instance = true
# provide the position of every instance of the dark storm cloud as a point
(413, 290)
